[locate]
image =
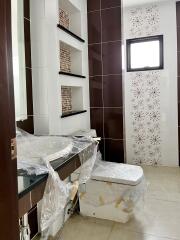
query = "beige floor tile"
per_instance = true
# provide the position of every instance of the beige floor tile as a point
(119, 233)
(86, 229)
(163, 183)
(155, 218)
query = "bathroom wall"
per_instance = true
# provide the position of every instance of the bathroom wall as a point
(105, 69)
(151, 96)
(47, 82)
(178, 59)
(28, 124)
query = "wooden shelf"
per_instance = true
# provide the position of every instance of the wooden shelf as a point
(70, 33)
(71, 74)
(72, 113)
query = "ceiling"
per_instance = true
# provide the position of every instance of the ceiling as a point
(130, 3)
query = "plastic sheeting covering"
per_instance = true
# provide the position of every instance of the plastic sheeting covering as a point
(102, 193)
(33, 152)
(34, 155)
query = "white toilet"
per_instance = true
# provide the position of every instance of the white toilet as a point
(112, 191)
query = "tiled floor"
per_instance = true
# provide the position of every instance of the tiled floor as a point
(158, 218)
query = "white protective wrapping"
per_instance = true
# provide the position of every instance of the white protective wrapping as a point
(34, 156)
(105, 189)
(33, 152)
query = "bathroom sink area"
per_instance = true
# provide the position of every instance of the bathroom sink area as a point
(65, 155)
(45, 148)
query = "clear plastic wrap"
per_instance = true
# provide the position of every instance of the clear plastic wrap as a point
(35, 155)
(58, 194)
(33, 151)
(107, 198)
(55, 198)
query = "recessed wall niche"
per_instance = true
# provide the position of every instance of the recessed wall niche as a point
(70, 59)
(72, 99)
(70, 17)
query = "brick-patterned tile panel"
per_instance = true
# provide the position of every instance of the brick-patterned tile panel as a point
(66, 94)
(64, 18)
(65, 58)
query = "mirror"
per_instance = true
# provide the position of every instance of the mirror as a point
(19, 67)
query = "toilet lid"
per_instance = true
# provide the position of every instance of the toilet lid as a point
(118, 173)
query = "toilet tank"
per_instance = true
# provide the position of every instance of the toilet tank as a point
(85, 133)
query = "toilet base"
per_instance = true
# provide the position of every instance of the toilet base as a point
(108, 212)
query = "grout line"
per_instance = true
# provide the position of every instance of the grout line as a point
(102, 9)
(113, 139)
(112, 228)
(32, 209)
(107, 107)
(28, 19)
(106, 75)
(113, 41)
(30, 200)
(35, 236)
(148, 234)
(29, 68)
(104, 144)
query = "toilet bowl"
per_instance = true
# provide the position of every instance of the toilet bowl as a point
(112, 191)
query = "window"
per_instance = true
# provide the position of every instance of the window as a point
(144, 54)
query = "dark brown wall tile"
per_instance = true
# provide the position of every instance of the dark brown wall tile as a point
(33, 221)
(112, 62)
(178, 112)
(114, 151)
(29, 91)
(178, 59)
(178, 13)
(178, 89)
(26, 9)
(102, 148)
(95, 63)
(110, 3)
(106, 96)
(93, 5)
(24, 205)
(95, 84)
(112, 91)
(178, 38)
(94, 27)
(28, 125)
(113, 123)
(111, 24)
(97, 120)
(27, 39)
(179, 140)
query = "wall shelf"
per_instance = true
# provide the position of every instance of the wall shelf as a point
(71, 17)
(71, 74)
(70, 33)
(72, 113)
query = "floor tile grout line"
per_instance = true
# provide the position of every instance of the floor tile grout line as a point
(163, 200)
(112, 228)
(148, 234)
